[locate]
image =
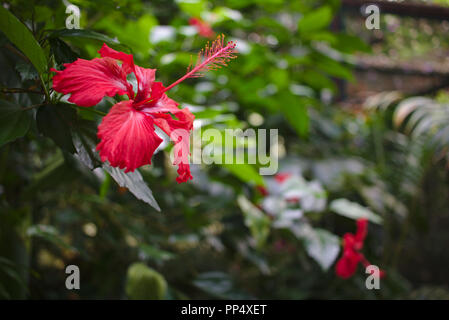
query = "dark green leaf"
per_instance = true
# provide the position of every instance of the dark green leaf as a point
(86, 34)
(85, 139)
(55, 122)
(152, 253)
(61, 51)
(55, 173)
(27, 71)
(23, 39)
(50, 234)
(14, 121)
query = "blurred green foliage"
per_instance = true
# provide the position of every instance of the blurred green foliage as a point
(144, 283)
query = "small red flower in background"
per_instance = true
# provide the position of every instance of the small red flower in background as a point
(262, 190)
(282, 177)
(203, 28)
(352, 245)
(127, 134)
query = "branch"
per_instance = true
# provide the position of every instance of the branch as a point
(20, 90)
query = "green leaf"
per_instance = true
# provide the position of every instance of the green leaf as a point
(23, 39)
(55, 122)
(295, 111)
(315, 20)
(317, 80)
(245, 172)
(354, 210)
(133, 33)
(320, 244)
(135, 184)
(50, 234)
(334, 68)
(349, 44)
(62, 51)
(85, 34)
(257, 222)
(85, 139)
(14, 121)
(153, 253)
(218, 284)
(193, 8)
(324, 36)
(207, 114)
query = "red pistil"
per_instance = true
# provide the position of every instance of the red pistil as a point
(210, 58)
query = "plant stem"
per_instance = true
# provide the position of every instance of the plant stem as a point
(47, 95)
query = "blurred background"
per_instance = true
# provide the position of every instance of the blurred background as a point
(363, 120)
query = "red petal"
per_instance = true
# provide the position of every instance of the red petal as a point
(347, 265)
(127, 59)
(157, 98)
(193, 21)
(177, 129)
(157, 92)
(202, 27)
(362, 231)
(88, 81)
(145, 79)
(128, 139)
(349, 240)
(184, 174)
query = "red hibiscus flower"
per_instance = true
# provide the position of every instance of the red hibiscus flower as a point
(127, 134)
(352, 245)
(202, 27)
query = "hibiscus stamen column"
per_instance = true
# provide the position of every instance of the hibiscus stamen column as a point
(210, 58)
